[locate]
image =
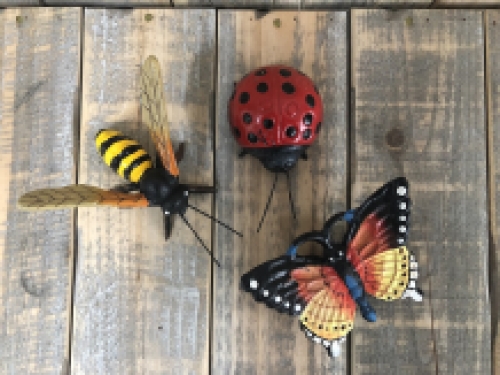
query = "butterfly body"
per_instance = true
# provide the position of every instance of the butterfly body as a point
(372, 259)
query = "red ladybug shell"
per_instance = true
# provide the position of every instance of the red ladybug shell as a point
(275, 106)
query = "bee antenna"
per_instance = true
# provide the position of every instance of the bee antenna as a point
(268, 201)
(199, 239)
(292, 206)
(214, 219)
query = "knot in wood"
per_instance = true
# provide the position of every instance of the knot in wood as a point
(395, 139)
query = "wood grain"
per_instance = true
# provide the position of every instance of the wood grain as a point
(224, 3)
(492, 22)
(365, 3)
(110, 3)
(39, 73)
(16, 3)
(249, 338)
(466, 3)
(420, 75)
(141, 304)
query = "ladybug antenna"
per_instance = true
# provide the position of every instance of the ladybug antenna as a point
(268, 201)
(199, 239)
(292, 206)
(214, 219)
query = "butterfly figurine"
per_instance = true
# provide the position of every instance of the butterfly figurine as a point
(372, 259)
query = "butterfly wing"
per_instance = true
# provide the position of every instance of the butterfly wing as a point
(376, 243)
(154, 113)
(307, 287)
(78, 196)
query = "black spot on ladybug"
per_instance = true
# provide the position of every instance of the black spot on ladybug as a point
(288, 88)
(244, 97)
(247, 118)
(260, 72)
(262, 87)
(236, 132)
(291, 132)
(318, 127)
(308, 119)
(252, 138)
(310, 100)
(307, 134)
(268, 123)
(285, 72)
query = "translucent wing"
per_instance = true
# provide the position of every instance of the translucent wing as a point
(305, 286)
(376, 243)
(78, 196)
(154, 113)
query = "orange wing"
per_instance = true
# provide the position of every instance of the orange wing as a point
(306, 287)
(79, 196)
(154, 113)
(377, 249)
(329, 313)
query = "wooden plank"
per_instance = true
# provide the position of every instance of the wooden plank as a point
(466, 3)
(224, 3)
(39, 74)
(418, 78)
(141, 304)
(248, 337)
(16, 3)
(110, 3)
(365, 3)
(492, 22)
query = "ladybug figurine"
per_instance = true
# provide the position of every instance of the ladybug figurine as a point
(275, 113)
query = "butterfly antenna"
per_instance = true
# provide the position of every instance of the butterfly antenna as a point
(214, 219)
(268, 201)
(199, 239)
(292, 206)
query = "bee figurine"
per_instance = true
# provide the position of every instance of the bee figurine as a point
(149, 185)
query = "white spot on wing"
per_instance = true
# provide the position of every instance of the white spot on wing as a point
(401, 191)
(254, 284)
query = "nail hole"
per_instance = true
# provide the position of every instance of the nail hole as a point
(395, 139)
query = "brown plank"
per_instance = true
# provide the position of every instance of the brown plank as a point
(365, 3)
(141, 304)
(113, 3)
(224, 3)
(418, 81)
(492, 22)
(249, 338)
(39, 77)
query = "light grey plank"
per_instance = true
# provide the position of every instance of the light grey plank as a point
(418, 79)
(141, 304)
(248, 337)
(492, 22)
(39, 73)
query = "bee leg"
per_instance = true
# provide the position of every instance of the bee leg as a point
(168, 224)
(126, 188)
(200, 188)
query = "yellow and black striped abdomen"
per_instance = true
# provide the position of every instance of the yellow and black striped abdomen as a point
(123, 154)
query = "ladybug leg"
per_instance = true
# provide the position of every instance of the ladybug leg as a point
(242, 153)
(304, 156)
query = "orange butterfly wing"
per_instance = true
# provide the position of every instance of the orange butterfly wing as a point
(329, 313)
(377, 250)
(154, 113)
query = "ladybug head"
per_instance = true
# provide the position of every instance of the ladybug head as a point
(277, 159)
(275, 113)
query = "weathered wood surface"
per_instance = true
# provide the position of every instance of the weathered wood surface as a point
(39, 71)
(418, 86)
(249, 338)
(142, 304)
(365, 3)
(300, 4)
(466, 3)
(16, 3)
(110, 3)
(492, 22)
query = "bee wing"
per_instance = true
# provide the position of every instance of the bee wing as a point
(78, 196)
(154, 113)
